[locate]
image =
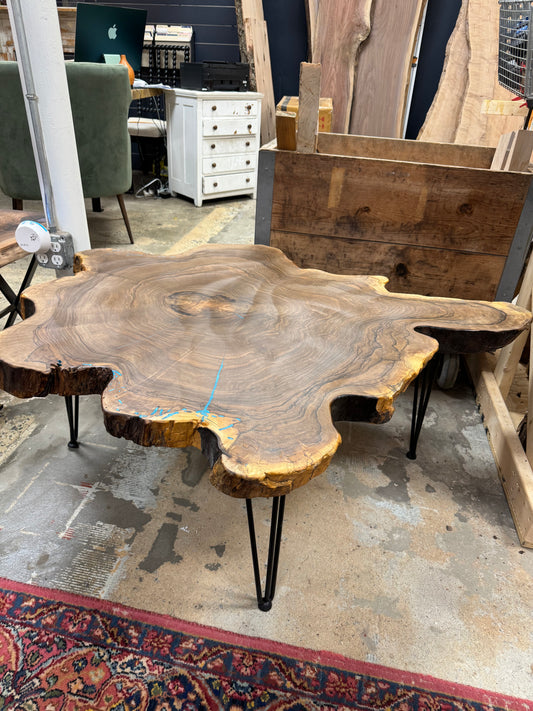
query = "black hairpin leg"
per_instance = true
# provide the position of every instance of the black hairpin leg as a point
(73, 411)
(423, 385)
(264, 602)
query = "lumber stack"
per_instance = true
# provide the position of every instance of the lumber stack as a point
(367, 52)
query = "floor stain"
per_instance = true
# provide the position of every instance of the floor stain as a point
(162, 550)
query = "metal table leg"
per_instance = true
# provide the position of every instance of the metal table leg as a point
(264, 601)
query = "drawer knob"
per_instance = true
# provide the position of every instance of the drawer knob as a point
(249, 107)
(213, 145)
(215, 128)
(247, 180)
(213, 108)
(215, 185)
(249, 126)
(247, 143)
(213, 165)
(247, 162)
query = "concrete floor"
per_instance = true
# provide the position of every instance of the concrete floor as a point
(410, 564)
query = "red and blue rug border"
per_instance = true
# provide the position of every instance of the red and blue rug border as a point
(319, 657)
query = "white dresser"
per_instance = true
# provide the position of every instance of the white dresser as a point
(212, 142)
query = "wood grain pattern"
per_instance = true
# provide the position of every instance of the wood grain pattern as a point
(309, 99)
(396, 201)
(237, 351)
(254, 49)
(341, 26)
(469, 78)
(409, 269)
(384, 69)
(405, 150)
(432, 229)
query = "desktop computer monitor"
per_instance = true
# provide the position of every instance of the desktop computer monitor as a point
(102, 29)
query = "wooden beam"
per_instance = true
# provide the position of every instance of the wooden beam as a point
(254, 48)
(401, 149)
(308, 105)
(520, 152)
(513, 465)
(501, 154)
(286, 130)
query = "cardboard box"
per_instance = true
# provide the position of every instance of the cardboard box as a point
(325, 111)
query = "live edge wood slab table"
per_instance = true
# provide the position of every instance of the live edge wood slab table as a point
(239, 352)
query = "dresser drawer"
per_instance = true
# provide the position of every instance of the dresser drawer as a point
(229, 126)
(229, 108)
(226, 183)
(239, 144)
(228, 164)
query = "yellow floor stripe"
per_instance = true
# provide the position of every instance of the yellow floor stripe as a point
(207, 228)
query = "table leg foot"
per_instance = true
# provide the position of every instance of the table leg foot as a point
(423, 385)
(73, 410)
(264, 601)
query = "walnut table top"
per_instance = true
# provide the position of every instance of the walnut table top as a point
(237, 351)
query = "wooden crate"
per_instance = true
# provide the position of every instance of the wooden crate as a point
(433, 218)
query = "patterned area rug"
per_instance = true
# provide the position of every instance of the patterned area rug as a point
(60, 651)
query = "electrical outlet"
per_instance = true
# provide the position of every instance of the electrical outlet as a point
(60, 255)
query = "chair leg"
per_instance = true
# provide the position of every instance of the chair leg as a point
(16, 204)
(97, 205)
(120, 199)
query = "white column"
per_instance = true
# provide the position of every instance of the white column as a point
(37, 37)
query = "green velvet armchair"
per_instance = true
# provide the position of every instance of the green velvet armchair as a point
(100, 96)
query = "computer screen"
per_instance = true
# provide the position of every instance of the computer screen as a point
(102, 29)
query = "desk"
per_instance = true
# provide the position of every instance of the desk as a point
(145, 92)
(236, 351)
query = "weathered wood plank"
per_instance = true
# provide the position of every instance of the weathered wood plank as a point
(308, 102)
(509, 357)
(254, 48)
(384, 68)
(341, 27)
(501, 154)
(514, 468)
(414, 270)
(405, 150)
(520, 151)
(397, 202)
